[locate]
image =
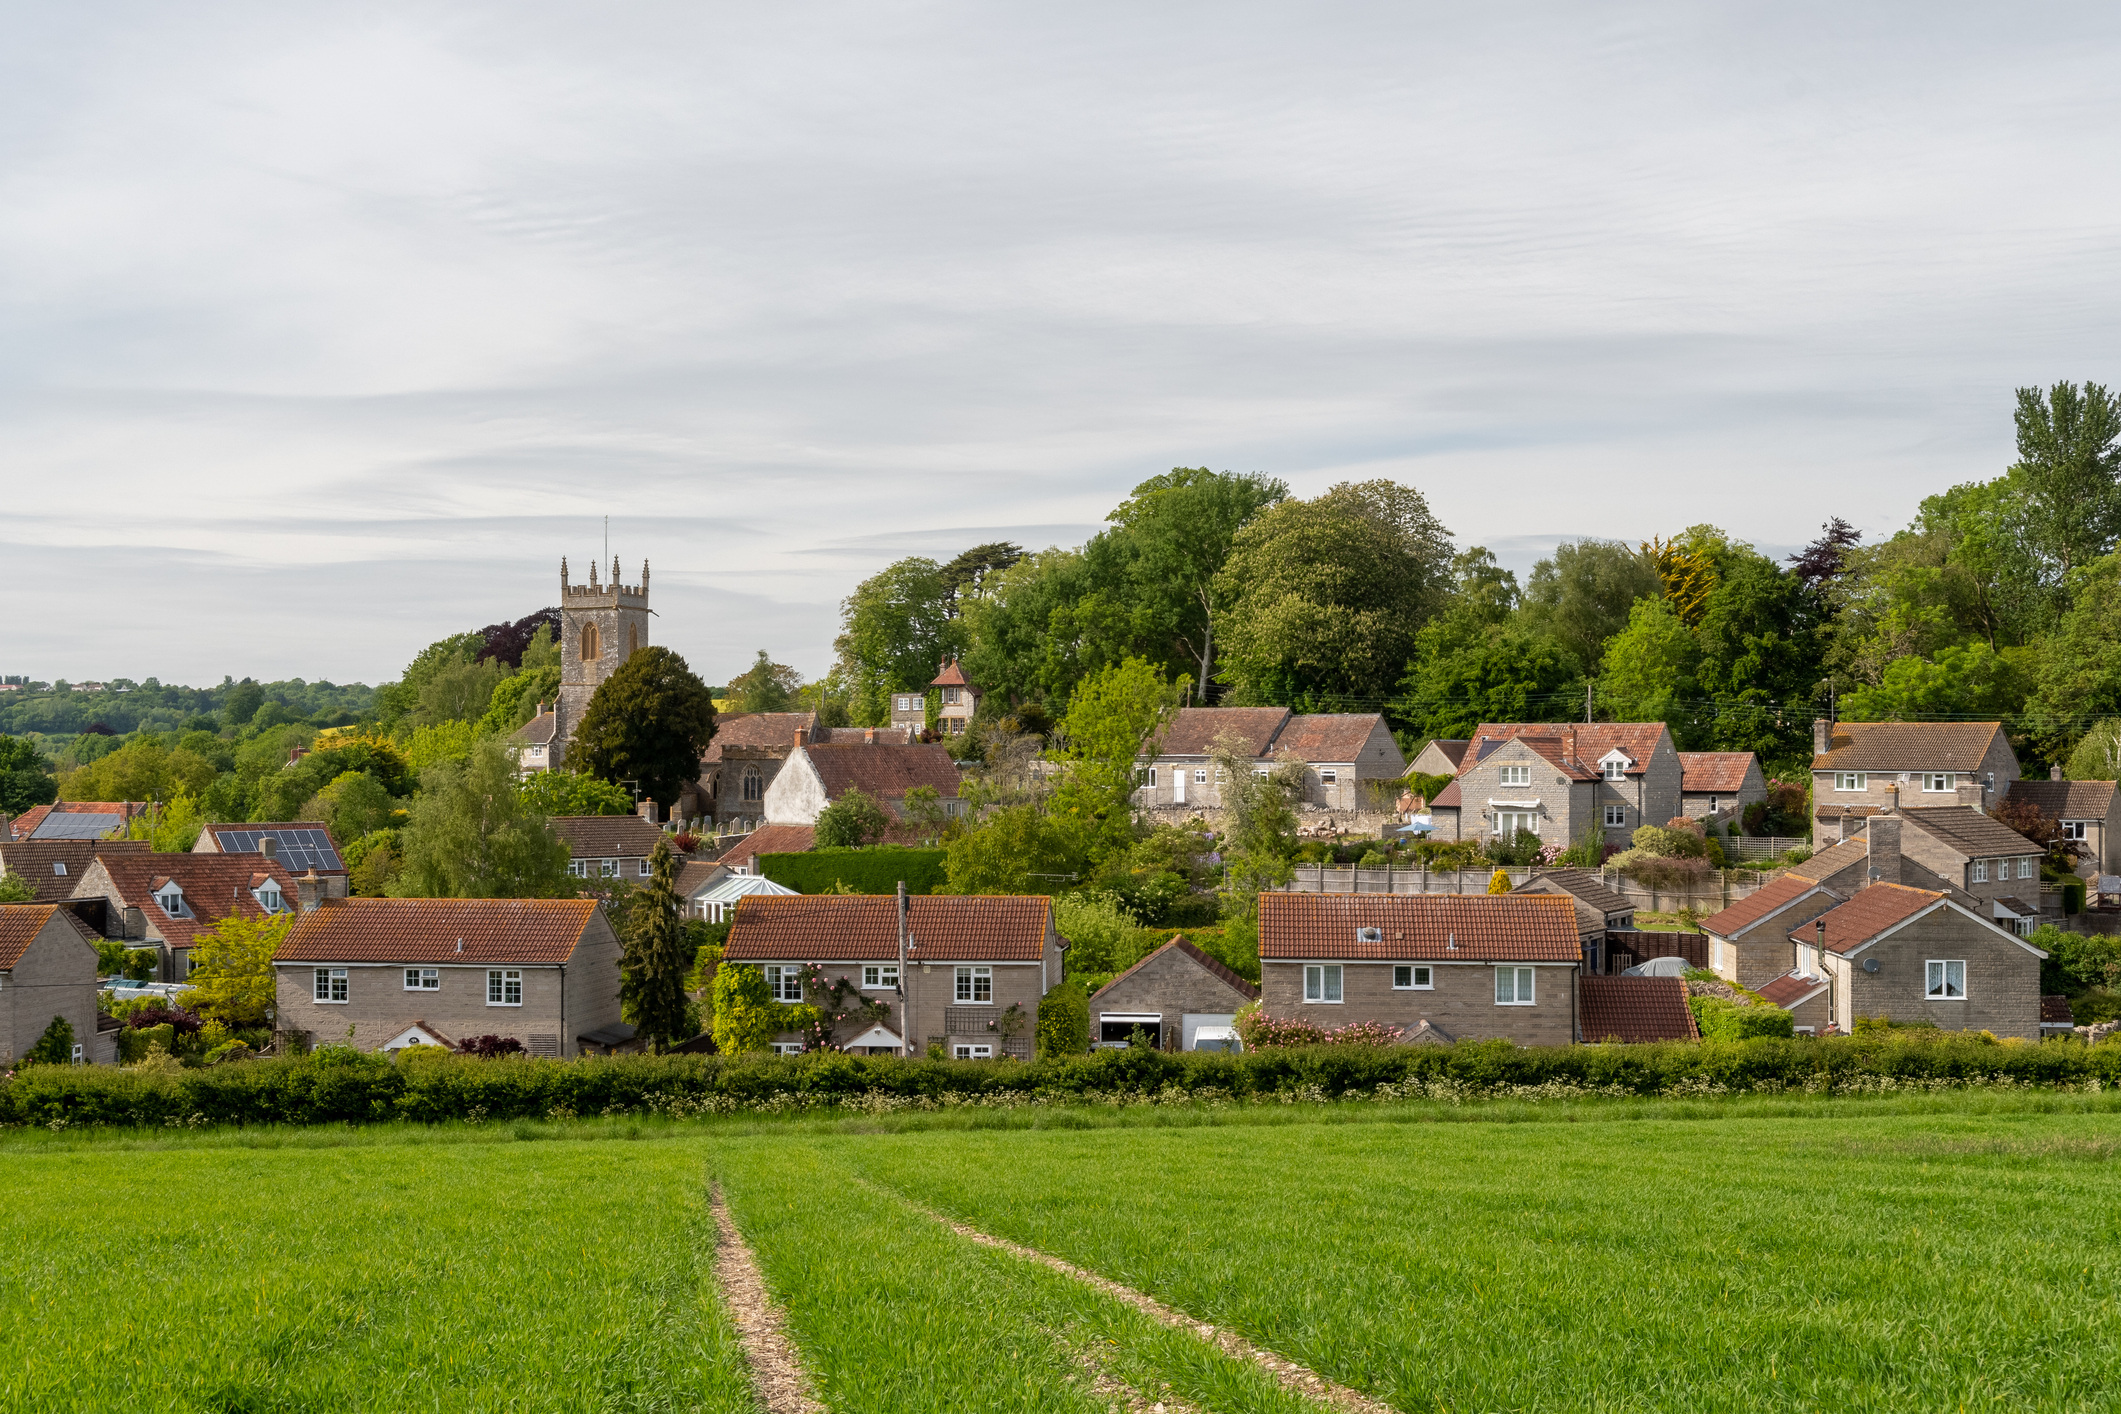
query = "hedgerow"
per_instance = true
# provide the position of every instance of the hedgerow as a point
(875, 870)
(338, 1086)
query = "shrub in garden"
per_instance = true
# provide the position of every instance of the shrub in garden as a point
(55, 1046)
(1719, 1020)
(490, 1047)
(1498, 882)
(746, 1017)
(1064, 1020)
(159, 1013)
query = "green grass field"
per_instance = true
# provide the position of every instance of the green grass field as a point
(1833, 1256)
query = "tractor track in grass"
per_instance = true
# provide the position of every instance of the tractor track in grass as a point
(1300, 1378)
(777, 1375)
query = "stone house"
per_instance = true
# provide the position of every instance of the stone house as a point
(1560, 781)
(607, 846)
(164, 901)
(959, 698)
(536, 744)
(1749, 942)
(1441, 966)
(1440, 757)
(47, 970)
(739, 765)
(1974, 854)
(1635, 1011)
(1912, 955)
(544, 971)
(1862, 769)
(299, 845)
(818, 773)
(601, 626)
(1339, 752)
(1719, 785)
(2089, 813)
(1600, 910)
(961, 973)
(54, 867)
(1181, 998)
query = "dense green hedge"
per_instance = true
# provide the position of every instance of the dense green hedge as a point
(866, 871)
(340, 1086)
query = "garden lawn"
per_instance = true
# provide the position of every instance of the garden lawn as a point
(1878, 1262)
(377, 1276)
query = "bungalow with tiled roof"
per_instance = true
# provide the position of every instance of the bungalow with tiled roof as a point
(1447, 966)
(2089, 813)
(1561, 781)
(1862, 769)
(165, 901)
(1339, 751)
(1914, 955)
(818, 773)
(963, 975)
(1719, 785)
(544, 971)
(1635, 1011)
(47, 970)
(1180, 998)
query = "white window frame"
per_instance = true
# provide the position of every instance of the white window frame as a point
(950, 697)
(645, 871)
(578, 868)
(423, 979)
(500, 982)
(1322, 984)
(1328, 776)
(328, 986)
(787, 1048)
(269, 897)
(608, 868)
(1520, 775)
(1616, 771)
(171, 902)
(968, 1050)
(969, 985)
(1616, 817)
(1981, 871)
(2025, 867)
(1418, 977)
(2075, 829)
(1937, 979)
(1851, 780)
(1939, 782)
(1521, 820)
(786, 983)
(1522, 980)
(1200, 777)
(879, 976)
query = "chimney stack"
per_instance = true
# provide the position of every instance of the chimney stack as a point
(802, 736)
(7, 827)
(135, 925)
(1883, 836)
(648, 810)
(1822, 735)
(309, 891)
(269, 846)
(2054, 773)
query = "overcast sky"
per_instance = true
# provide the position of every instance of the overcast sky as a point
(328, 330)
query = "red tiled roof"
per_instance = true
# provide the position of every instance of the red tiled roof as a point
(770, 839)
(1791, 988)
(864, 927)
(2054, 1011)
(38, 861)
(1522, 927)
(606, 836)
(1864, 917)
(1713, 772)
(883, 770)
(215, 886)
(758, 731)
(1638, 740)
(1330, 738)
(25, 825)
(1634, 1010)
(2067, 800)
(491, 930)
(20, 923)
(1212, 966)
(1908, 746)
(697, 874)
(1448, 798)
(951, 676)
(1194, 730)
(1552, 749)
(1785, 888)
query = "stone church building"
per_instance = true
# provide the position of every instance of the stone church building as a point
(601, 626)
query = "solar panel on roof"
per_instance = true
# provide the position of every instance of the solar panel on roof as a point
(76, 825)
(298, 850)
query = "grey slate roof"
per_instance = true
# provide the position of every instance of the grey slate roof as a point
(1968, 831)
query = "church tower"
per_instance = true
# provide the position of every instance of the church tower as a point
(601, 626)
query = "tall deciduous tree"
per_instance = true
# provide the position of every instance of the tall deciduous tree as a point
(657, 954)
(1649, 670)
(647, 725)
(24, 780)
(896, 629)
(231, 969)
(2079, 672)
(1112, 719)
(1583, 595)
(2069, 463)
(766, 686)
(855, 819)
(472, 836)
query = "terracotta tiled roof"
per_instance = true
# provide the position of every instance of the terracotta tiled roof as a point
(538, 731)
(1590, 888)
(1713, 772)
(770, 839)
(1194, 730)
(1908, 746)
(606, 836)
(1785, 888)
(1864, 917)
(951, 676)
(215, 886)
(1968, 831)
(758, 731)
(1552, 749)
(2067, 800)
(1831, 861)
(1447, 798)
(20, 923)
(40, 862)
(2054, 1011)
(1593, 739)
(864, 927)
(1331, 738)
(492, 930)
(1634, 1010)
(1212, 966)
(883, 770)
(1440, 927)
(1791, 988)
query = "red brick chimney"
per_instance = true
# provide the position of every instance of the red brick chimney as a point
(802, 736)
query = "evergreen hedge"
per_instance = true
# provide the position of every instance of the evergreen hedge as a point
(336, 1085)
(874, 870)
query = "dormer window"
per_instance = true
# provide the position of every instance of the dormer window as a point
(1614, 764)
(269, 896)
(171, 900)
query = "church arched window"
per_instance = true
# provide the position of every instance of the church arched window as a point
(592, 649)
(753, 788)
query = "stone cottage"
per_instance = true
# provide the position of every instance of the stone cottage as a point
(1561, 780)
(1180, 998)
(1861, 769)
(1339, 752)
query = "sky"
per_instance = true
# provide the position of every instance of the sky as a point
(325, 331)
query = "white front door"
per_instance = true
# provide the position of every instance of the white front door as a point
(1178, 785)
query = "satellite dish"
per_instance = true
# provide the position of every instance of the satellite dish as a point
(1870, 964)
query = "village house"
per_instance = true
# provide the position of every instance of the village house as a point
(301, 846)
(2089, 813)
(47, 970)
(962, 975)
(1600, 911)
(535, 744)
(739, 765)
(817, 773)
(1862, 769)
(1440, 757)
(1339, 752)
(383, 973)
(1178, 997)
(54, 867)
(75, 820)
(1974, 854)
(1749, 941)
(608, 846)
(958, 696)
(743, 856)
(1719, 785)
(1440, 966)
(164, 901)
(1561, 781)
(710, 891)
